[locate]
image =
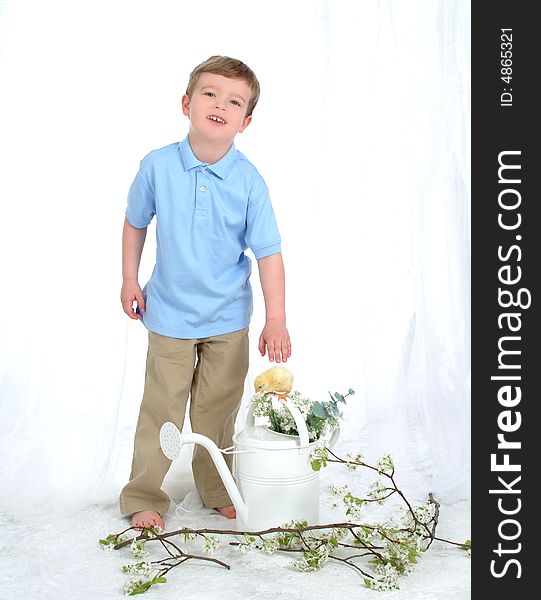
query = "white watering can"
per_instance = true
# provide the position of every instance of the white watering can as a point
(276, 483)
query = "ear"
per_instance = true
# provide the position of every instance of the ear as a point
(245, 123)
(186, 105)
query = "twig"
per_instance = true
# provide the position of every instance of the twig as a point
(345, 560)
(163, 543)
(372, 549)
(209, 558)
(237, 532)
(435, 520)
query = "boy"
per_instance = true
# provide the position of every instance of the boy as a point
(210, 204)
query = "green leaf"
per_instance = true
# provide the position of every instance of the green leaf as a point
(316, 465)
(353, 499)
(318, 409)
(110, 539)
(140, 589)
(339, 397)
(159, 580)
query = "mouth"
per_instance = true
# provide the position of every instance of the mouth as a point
(216, 119)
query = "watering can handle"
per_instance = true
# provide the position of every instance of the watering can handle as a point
(334, 438)
(296, 414)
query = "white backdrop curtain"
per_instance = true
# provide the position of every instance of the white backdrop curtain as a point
(362, 134)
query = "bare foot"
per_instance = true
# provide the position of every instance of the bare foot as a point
(227, 511)
(147, 518)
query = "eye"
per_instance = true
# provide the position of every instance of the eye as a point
(208, 94)
(235, 102)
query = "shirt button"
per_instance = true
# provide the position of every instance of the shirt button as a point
(202, 189)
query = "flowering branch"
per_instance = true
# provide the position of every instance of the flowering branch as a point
(385, 468)
(391, 549)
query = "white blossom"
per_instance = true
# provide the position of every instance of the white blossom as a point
(312, 560)
(385, 464)
(133, 584)
(142, 568)
(138, 549)
(109, 543)
(270, 545)
(319, 453)
(211, 543)
(388, 580)
(337, 491)
(424, 514)
(353, 505)
(378, 491)
(248, 543)
(351, 460)
(365, 533)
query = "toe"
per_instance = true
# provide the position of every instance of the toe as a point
(147, 519)
(227, 511)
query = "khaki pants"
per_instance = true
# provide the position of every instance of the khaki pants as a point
(216, 385)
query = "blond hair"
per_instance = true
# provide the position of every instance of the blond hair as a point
(228, 67)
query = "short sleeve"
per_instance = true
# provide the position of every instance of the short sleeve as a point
(141, 201)
(262, 235)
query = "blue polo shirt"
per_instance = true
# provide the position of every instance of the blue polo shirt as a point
(207, 215)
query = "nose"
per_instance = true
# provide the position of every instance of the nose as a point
(218, 104)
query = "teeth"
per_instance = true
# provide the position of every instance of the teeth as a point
(217, 119)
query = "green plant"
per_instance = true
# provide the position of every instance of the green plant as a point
(320, 417)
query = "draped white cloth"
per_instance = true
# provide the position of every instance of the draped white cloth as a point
(362, 134)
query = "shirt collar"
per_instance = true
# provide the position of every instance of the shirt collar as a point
(220, 168)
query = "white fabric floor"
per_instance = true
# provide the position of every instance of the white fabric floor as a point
(59, 558)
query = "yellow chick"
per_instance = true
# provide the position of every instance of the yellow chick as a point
(277, 379)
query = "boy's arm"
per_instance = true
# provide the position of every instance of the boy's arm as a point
(274, 337)
(133, 240)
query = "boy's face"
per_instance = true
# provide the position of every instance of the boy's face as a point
(217, 107)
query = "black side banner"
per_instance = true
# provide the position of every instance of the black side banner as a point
(506, 258)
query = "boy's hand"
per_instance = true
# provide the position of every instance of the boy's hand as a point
(131, 291)
(275, 338)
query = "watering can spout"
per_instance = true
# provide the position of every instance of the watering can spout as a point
(171, 441)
